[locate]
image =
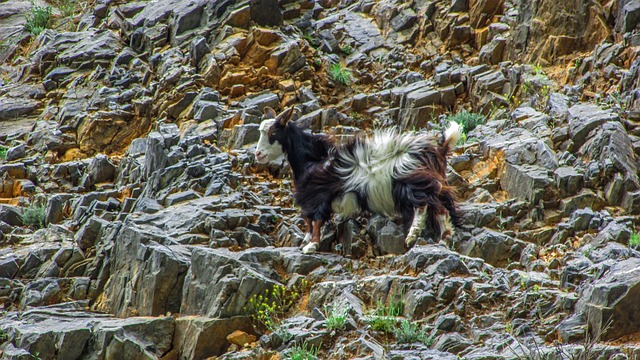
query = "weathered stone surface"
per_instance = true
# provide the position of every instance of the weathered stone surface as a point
(610, 303)
(200, 338)
(527, 182)
(568, 181)
(585, 117)
(491, 53)
(218, 285)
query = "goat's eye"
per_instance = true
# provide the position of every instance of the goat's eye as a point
(270, 133)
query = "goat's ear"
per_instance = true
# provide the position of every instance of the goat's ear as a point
(269, 113)
(286, 116)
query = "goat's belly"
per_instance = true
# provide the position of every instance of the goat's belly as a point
(380, 197)
(346, 205)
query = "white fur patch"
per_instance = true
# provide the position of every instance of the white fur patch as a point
(452, 134)
(310, 248)
(346, 206)
(418, 224)
(376, 161)
(266, 152)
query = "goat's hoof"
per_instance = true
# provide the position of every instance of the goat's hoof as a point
(410, 241)
(310, 248)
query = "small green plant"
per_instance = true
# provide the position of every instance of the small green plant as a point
(3, 152)
(302, 351)
(340, 74)
(538, 70)
(384, 318)
(38, 19)
(409, 332)
(467, 120)
(67, 7)
(311, 40)
(270, 308)
(336, 317)
(346, 49)
(634, 240)
(33, 216)
(508, 327)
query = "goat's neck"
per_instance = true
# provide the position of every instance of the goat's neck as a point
(303, 151)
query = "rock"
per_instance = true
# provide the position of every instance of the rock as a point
(491, 53)
(433, 260)
(451, 343)
(200, 337)
(180, 197)
(89, 233)
(16, 152)
(198, 49)
(404, 20)
(44, 291)
(631, 202)
(207, 291)
(628, 16)
(10, 215)
(495, 248)
(386, 235)
(585, 117)
(240, 338)
(101, 169)
(568, 181)
(266, 12)
(13, 108)
(482, 11)
(609, 304)
(459, 6)
(526, 182)
(558, 105)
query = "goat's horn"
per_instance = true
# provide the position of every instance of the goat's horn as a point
(287, 115)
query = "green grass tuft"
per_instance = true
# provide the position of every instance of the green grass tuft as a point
(467, 120)
(38, 19)
(303, 351)
(384, 318)
(33, 216)
(3, 152)
(340, 74)
(634, 240)
(409, 332)
(336, 318)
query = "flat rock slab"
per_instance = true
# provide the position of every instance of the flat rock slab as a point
(585, 117)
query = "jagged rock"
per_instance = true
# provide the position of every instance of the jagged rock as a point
(610, 303)
(207, 291)
(526, 182)
(200, 337)
(16, 152)
(10, 215)
(44, 291)
(13, 108)
(494, 247)
(386, 235)
(420, 354)
(568, 181)
(451, 343)
(491, 53)
(433, 260)
(89, 233)
(585, 117)
(69, 334)
(266, 12)
(481, 11)
(628, 16)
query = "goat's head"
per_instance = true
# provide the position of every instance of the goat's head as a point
(273, 134)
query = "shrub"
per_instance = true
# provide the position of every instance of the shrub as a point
(346, 49)
(302, 352)
(409, 333)
(270, 308)
(467, 120)
(336, 318)
(38, 19)
(33, 216)
(3, 152)
(340, 74)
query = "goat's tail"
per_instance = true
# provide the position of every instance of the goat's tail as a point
(451, 136)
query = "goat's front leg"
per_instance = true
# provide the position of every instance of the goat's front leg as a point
(312, 247)
(308, 234)
(418, 224)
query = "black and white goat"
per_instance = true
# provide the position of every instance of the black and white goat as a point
(393, 174)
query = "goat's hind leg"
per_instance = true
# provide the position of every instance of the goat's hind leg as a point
(313, 245)
(417, 226)
(308, 234)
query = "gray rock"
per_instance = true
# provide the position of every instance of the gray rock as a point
(16, 152)
(610, 303)
(459, 6)
(266, 12)
(404, 20)
(495, 248)
(628, 16)
(145, 276)
(568, 181)
(386, 235)
(10, 215)
(14, 108)
(89, 232)
(197, 50)
(211, 292)
(631, 202)
(180, 197)
(200, 337)
(451, 343)
(558, 105)
(585, 117)
(433, 260)
(41, 292)
(262, 100)
(526, 182)
(491, 53)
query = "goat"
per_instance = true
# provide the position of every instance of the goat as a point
(393, 174)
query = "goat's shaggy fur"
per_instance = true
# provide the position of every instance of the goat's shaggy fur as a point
(398, 175)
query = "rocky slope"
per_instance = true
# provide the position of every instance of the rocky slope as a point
(134, 224)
